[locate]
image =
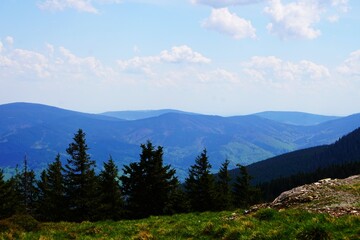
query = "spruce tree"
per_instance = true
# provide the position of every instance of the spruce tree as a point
(52, 205)
(223, 188)
(243, 193)
(147, 185)
(25, 187)
(80, 180)
(200, 186)
(110, 203)
(8, 199)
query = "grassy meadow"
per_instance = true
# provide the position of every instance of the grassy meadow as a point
(264, 224)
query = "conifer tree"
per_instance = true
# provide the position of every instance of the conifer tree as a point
(110, 203)
(147, 185)
(200, 186)
(52, 205)
(243, 193)
(80, 180)
(25, 187)
(223, 188)
(8, 198)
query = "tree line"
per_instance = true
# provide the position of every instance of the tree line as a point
(75, 192)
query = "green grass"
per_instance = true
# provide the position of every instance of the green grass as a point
(264, 224)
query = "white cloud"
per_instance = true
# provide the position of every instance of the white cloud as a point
(79, 5)
(1, 46)
(298, 19)
(58, 63)
(351, 65)
(182, 53)
(295, 19)
(177, 54)
(26, 61)
(9, 40)
(221, 20)
(224, 3)
(274, 69)
(341, 5)
(82, 66)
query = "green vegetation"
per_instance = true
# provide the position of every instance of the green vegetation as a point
(264, 224)
(74, 192)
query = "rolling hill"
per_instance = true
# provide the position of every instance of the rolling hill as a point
(41, 131)
(140, 114)
(345, 150)
(296, 118)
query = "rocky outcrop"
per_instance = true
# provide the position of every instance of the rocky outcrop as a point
(333, 196)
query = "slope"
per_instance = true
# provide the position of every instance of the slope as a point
(346, 149)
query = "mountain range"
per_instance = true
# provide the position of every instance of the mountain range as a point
(40, 132)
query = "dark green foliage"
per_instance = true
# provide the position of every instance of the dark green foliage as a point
(266, 214)
(345, 150)
(274, 188)
(147, 185)
(26, 191)
(19, 222)
(110, 202)
(51, 205)
(8, 199)
(313, 232)
(223, 188)
(200, 185)
(243, 193)
(80, 180)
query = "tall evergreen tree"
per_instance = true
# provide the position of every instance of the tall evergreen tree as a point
(110, 203)
(223, 187)
(147, 185)
(200, 185)
(8, 200)
(80, 180)
(25, 186)
(243, 193)
(52, 205)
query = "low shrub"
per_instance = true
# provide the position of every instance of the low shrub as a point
(313, 232)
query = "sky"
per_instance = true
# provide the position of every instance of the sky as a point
(229, 57)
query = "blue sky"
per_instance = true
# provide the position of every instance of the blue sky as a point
(215, 57)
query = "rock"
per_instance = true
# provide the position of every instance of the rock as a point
(325, 196)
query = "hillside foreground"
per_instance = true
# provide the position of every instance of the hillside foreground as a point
(327, 209)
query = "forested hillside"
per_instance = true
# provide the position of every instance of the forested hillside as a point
(41, 132)
(345, 150)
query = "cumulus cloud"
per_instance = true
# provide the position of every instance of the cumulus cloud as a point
(80, 65)
(298, 19)
(271, 68)
(221, 20)
(224, 3)
(55, 63)
(351, 65)
(294, 19)
(177, 54)
(79, 5)
(182, 53)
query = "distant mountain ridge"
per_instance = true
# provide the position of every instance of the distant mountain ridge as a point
(141, 114)
(296, 118)
(41, 131)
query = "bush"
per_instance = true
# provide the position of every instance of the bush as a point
(19, 223)
(313, 232)
(266, 214)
